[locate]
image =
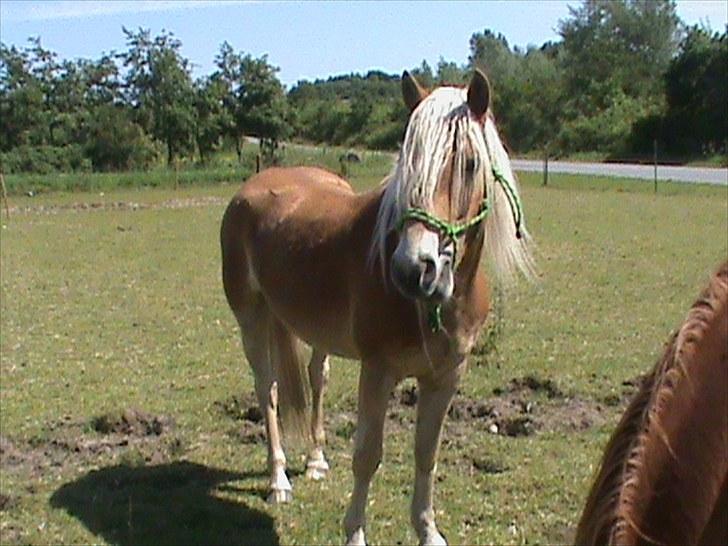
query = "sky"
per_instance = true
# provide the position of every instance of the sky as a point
(306, 40)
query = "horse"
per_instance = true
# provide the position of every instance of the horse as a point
(392, 277)
(663, 478)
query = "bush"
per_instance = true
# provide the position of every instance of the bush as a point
(44, 159)
(386, 138)
(116, 143)
(607, 131)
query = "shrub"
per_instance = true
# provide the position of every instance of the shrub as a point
(114, 142)
(44, 159)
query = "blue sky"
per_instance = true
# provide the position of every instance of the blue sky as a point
(305, 39)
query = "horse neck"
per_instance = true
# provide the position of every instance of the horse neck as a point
(665, 466)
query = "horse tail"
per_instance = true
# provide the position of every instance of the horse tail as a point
(506, 238)
(286, 355)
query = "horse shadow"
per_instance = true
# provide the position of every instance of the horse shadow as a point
(176, 503)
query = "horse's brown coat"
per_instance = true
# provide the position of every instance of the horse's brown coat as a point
(307, 237)
(664, 474)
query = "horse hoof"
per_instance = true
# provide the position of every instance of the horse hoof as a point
(317, 470)
(280, 496)
(435, 539)
(357, 538)
(315, 474)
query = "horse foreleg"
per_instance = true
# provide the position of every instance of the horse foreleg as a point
(318, 374)
(375, 386)
(433, 401)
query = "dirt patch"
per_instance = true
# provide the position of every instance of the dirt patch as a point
(343, 426)
(629, 388)
(9, 454)
(7, 502)
(489, 466)
(533, 384)
(248, 433)
(524, 407)
(246, 414)
(406, 395)
(132, 422)
(634, 384)
(67, 443)
(240, 408)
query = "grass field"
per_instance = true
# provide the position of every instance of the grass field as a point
(126, 403)
(223, 168)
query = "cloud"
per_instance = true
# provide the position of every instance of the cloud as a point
(22, 11)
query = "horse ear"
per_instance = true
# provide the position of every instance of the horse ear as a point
(412, 92)
(478, 94)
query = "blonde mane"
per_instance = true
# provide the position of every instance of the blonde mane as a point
(439, 127)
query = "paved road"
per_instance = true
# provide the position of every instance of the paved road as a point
(705, 175)
(701, 175)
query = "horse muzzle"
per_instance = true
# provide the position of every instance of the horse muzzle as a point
(419, 271)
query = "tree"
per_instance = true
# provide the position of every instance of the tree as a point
(261, 100)
(424, 75)
(159, 88)
(696, 87)
(114, 142)
(612, 58)
(361, 107)
(103, 83)
(532, 101)
(449, 73)
(612, 46)
(491, 53)
(256, 101)
(527, 88)
(49, 109)
(21, 99)
(213, 119)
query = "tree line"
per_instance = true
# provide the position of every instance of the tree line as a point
(624, 74)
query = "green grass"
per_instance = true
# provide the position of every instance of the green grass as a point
(224, 168)
(106, 310)
(158, 178)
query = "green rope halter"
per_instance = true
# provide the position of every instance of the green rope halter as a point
(454, 231)
(451, 230)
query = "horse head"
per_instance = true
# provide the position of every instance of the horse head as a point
(441, 197)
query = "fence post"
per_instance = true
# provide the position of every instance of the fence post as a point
(545, 165)
(176, 173)
(5, 195)
(654, 160)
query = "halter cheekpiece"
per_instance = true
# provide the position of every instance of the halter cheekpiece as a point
(453, 231)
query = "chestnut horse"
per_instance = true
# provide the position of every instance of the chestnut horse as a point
(392, 277)
(664, 475)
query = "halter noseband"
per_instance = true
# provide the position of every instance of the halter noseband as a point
(453, 231)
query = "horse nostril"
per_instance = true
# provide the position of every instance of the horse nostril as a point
(428, 279)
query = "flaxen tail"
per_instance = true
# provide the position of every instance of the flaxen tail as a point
(286, 357)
